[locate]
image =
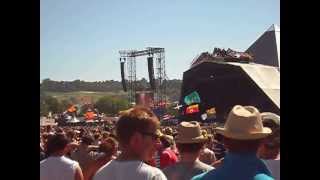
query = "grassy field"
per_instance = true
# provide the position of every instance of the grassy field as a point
(85, 94)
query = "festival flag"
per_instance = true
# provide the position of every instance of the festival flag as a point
(192, 109)
(211, 111)
(72, 109)
(90, 115)
(204, 116)
(192, 98)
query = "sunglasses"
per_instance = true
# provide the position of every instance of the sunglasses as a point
(154, 136)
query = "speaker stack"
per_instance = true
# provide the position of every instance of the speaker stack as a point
(123, 80)
(151, 73)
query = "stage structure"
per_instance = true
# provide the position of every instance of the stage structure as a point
(217, 86)
(157, 84)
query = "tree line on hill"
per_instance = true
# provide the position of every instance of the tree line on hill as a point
(108, 104)
(172, 86)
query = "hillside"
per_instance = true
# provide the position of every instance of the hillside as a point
(74, 89)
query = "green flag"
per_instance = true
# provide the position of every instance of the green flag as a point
(192, 98)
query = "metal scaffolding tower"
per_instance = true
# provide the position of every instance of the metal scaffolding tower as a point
(129, 56)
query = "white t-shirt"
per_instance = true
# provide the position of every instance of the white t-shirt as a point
(58, 168)
(133, 170)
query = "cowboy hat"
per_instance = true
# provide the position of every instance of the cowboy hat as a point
(244, 123)
(189, 132)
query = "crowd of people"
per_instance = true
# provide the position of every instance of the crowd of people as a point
(137, 147)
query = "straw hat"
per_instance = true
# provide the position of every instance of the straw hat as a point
(189, 132)
(244, 123)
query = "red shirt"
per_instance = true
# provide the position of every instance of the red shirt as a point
(167, 158)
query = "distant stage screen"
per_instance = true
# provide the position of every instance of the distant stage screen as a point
(144, 98)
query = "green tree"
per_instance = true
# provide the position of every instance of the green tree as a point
(52, 104)
(65, 104)
(43, 109)
(111, 105)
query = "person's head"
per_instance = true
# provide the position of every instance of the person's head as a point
(168, 131)
(113, 142)
(271, 121)
(136, 132)
(48, 128)
(107, 149)
(59, 130)
(96, 136)
(71, 134)
(105, 134)
(87, 140)
(241, 146)
(190, 138)
(270, 146)
(218, 137)
(209, 142)
(166, 141)
(57, 144)
(243, 130)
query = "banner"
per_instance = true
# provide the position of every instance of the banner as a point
(90, 115)
(204, 116)
(211, 111)
(72, 109)
(192, 109)
(192, 98)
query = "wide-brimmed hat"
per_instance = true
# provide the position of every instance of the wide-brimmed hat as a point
(189, 132)
(244, 123)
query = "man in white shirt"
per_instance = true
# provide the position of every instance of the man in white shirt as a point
(136, 130)
(57, 166)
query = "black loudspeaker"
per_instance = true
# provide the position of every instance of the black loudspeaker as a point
(123, 80)
(151, 73)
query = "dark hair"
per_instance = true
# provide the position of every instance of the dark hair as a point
(273, 140)
(218, 137)
(104, 146)
(96, 136)
(165, 142)
(138, 119)
(111, 140)
(105, 134)
(48, 128)
(87, 139)
(59, 130)
(56, 143)
(235, 145)
(107, 148)
(189, 148)
(273, 126)
(70, 134)
(112, 135)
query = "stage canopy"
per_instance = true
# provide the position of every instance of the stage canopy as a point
(266, 49)
(221, 85)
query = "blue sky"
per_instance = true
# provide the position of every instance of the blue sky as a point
(80, 39)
